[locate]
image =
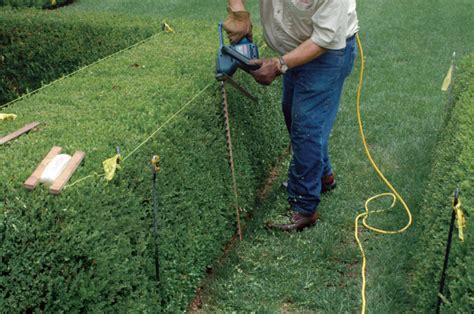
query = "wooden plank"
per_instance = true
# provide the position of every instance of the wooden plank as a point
(18, 133)
(64, 177)
(33, 180)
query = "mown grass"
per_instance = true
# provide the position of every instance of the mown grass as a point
(408, 46)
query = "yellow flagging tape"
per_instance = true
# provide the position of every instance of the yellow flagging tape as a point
(394, 194)
(79, 70)
(169, 120)
(111, 165)
(7, 116)
(167, 28)
(449, 76)
(460, 220)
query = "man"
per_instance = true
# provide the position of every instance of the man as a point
(315, 40)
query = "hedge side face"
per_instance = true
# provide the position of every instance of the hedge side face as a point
(44, 4)
(91, 248)
(38, 47)
(453, 167)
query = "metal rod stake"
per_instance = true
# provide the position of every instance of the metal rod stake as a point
(446, 255)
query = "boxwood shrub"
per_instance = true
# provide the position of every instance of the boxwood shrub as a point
(453, 167)
(91, 248)
(44, 4)
(37, 47)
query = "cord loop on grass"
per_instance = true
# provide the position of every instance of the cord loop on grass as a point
(395, 195)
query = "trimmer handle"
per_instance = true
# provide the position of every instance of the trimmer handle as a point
(229, 50)
(243, 60)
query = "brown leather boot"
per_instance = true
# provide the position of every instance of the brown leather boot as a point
(297, 222)
(328, 183)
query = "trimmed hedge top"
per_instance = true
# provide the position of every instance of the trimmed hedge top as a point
(91, 248)
(37, 47)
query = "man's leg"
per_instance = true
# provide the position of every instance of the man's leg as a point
(287, 99)
(316, 84)
(316, 92)
(287, 105)
(349, 57)
(327, 128)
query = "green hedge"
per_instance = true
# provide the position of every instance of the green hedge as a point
(90, 249)
(44, 4)
(37, 47)
(453, 166)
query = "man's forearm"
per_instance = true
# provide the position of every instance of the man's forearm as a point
(237, 5)
(302, 54)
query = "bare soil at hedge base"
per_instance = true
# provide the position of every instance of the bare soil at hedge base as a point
(262, 194)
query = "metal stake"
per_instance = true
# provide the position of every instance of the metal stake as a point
(448, 249)
(155, 161)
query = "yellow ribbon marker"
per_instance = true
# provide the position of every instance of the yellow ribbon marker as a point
(460, 220)
(7, 116)
(167, 28)
(449, 76)
(155, 161)
(111, 165)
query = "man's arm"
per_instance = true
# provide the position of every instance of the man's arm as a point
(237, 24)
(237, 5)
(304, 53)
(271, 68)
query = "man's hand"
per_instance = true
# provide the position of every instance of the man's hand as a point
(269, 70)
(238, 25)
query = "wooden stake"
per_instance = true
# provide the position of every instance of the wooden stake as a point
(64, 177)
(34, 179)
(18, 133)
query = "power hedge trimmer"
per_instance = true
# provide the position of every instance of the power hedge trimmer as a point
(229, 59)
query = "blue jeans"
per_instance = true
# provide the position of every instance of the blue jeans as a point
(311, 94)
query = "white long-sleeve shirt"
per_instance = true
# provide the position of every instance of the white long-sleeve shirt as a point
(288, 23)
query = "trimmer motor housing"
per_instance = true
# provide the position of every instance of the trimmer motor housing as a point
(234, 56)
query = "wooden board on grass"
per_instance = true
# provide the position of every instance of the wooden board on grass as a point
(34, 179)
(18, 133)
(64, 177)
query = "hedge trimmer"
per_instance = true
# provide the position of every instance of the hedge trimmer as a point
(229, 59)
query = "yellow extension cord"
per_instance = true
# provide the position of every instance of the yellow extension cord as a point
(395, 195)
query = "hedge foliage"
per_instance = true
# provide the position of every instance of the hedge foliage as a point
(91, 248)
(44, 4)
(37, 47)
(453, 166)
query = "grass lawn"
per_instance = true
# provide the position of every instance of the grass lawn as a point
(408, 45)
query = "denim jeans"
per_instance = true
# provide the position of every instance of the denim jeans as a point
(311, 95)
